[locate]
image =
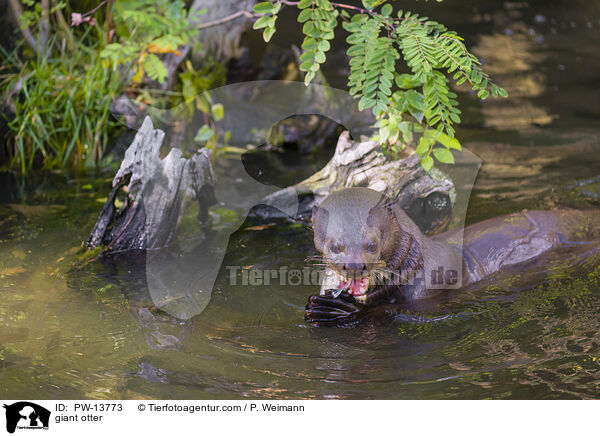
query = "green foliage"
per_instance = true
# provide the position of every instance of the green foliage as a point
(145, 29)
(320, 20)
(267, 21)
(194, 86)
(61, 106)
(418, 102)
(61, 99)
(372, 66)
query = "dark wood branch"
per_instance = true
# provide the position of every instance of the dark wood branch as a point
(226, 19)
(95, 9)
(363, 164)
(158, 193)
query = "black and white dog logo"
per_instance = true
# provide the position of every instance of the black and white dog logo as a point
(26, 415)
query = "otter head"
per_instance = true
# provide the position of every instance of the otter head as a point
(355, 231)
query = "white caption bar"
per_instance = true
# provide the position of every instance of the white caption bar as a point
(152, 417)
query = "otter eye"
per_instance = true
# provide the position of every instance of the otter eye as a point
(371, 247)
(336, 248)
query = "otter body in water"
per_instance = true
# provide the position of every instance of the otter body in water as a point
(376, 256)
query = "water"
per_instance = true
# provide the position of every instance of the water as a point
(71, 328)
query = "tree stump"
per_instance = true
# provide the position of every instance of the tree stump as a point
(158, 192)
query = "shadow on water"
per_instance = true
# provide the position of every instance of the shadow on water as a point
(91, 331)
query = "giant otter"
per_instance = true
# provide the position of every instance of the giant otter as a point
(376, 257)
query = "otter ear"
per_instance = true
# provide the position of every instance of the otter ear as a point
(381, 213)
(319, 220)
(319, 215)
(315, 211)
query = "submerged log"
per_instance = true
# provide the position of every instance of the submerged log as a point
(157, 194)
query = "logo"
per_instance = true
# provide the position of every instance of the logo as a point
(26, 415)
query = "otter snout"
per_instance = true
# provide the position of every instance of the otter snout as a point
(353, 267)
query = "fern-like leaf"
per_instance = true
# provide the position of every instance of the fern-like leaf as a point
(320, 20)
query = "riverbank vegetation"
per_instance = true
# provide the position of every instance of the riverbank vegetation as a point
(60, 80)
(59, 84)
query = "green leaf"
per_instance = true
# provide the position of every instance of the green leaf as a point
(494, 91)
(406, 128)
(366, 103)
(268, 33)
(308, 78)
(154, 68)
(309, 43)
(415, 99)
(306, 66)
(217, 111)
(324, 45)
(264, 8)
(449, 142)
(204, 134)
(304, 15)
(387, 10)
(407, 81)
(444, 155)
(423, 147)
(427, 163)
(262, 22)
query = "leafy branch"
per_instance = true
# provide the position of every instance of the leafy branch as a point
(419, 102)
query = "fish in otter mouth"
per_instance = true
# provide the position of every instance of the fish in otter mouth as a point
(355, 286)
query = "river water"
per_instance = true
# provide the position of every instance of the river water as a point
(71, 328)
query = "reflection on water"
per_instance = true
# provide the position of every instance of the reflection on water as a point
(514, 60)
(93, 332)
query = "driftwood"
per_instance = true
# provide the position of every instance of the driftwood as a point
(252, 109)
(428, 197)
(158, 192)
